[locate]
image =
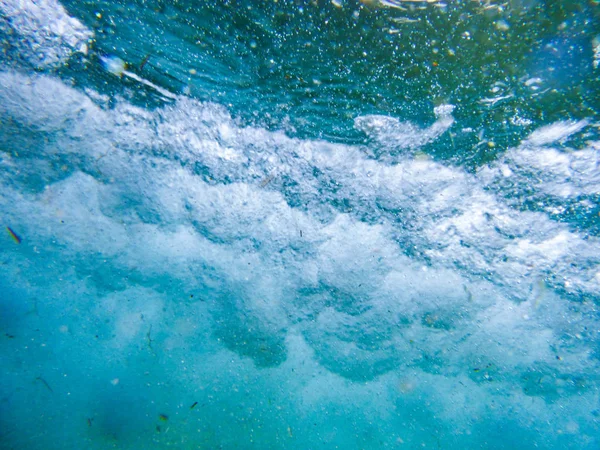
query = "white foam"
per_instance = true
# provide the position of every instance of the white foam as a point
(391, 133)
(58, 108)
(205, 135)
(46, 35)
(558, 131)
(375, 270)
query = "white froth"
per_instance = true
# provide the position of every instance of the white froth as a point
(46, 35)
(413, 276)
(556, 132)
(558, 181)
(456, 219)
(392, 133)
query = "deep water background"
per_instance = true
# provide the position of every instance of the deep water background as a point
(300, 224)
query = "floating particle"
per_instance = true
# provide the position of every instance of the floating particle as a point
(45, 383)
(144, 61)
(163, 417)
(193, 405)
(502, 25)
(14, 235)
(267, 180)
(533, 81)
(402, 20)
(113, 64)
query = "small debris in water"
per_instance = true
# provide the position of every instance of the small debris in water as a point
(45, 383)
(194, 405)
(14, 235)
(163, 417)
(144, 61)
(267, 181)
(149, 339)
(403, 20)
(113, 64)
(502, 25)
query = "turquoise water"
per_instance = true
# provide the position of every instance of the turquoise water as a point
(300, 224)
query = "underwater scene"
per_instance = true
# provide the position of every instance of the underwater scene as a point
(300, 224)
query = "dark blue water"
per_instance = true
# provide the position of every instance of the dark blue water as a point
(300, 224)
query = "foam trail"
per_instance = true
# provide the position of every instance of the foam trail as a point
(117, 67)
